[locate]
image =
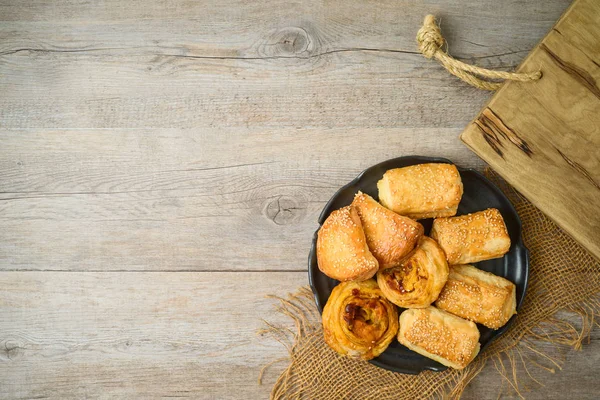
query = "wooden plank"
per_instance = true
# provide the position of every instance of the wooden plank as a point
(236, 28)
(81, 90)
(155, 335)
(543, 137)
(170, 199)
(142, 335)
(86, 65)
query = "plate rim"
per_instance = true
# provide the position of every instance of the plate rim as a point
(424, 159)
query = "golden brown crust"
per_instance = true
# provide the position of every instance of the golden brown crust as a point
(478, 296)
(418, 281)
(473, 237)
(439, 335)
(422, 191)
(358, 321)
(342, 251)
(390, 237)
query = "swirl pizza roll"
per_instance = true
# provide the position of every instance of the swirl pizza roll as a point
(478, 296)
(342, 251)
(439, 335)
(418, 281)
(473, 237)
(422, 191)
(358, 321)
(390, 237)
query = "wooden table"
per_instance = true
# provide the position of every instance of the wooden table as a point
(163, 163)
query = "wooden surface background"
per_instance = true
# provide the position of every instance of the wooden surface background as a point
(163, 164)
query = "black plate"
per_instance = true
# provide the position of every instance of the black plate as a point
(479, 194)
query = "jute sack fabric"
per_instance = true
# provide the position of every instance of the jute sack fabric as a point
(563, 276)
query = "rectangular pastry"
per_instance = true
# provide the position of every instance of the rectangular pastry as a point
(422, 191)
(439, 335)
(473, 237)
(478, 296)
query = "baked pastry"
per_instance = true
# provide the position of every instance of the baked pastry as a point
(358, 321)
(390, 237)
(478, 296)
(422, 191)
(439, 335)
(342, 251)
(472, 237)
(418, 281)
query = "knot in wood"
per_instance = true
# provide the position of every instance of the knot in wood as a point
(10, 349)
(291, 41)
(283, 210)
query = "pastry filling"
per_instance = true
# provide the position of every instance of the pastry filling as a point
(404, 279)
(366, 318)
(354, 312)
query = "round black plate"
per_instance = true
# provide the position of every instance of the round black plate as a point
(479, 194)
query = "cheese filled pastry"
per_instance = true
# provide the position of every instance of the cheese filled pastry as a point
(422, 191)
(358, 321)
(473, 237)
(478, 296)
(439, 335)
(418, 281)
(390, 237)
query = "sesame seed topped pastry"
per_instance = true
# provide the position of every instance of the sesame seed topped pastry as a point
(418, 281)
(439, 335)
(358, 321)
(473, 237)
(342, 251)
(390, 237)
(422, 191)
(478, 296)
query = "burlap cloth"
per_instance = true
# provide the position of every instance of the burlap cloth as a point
(563, 276)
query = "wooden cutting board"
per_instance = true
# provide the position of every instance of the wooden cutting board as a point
(544, 137)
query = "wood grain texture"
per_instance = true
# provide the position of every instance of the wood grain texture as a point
(544, 138)
(235, 28)
(169, 199)
(161, 64)
(142, 138)
(149, 91)
(142, 335)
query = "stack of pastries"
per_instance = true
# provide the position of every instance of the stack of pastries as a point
(379, 253)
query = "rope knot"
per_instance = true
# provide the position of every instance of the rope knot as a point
(431, 41)
(430, 37)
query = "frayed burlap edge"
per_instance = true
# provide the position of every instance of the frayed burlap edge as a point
(563, 277)
(526, 353)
